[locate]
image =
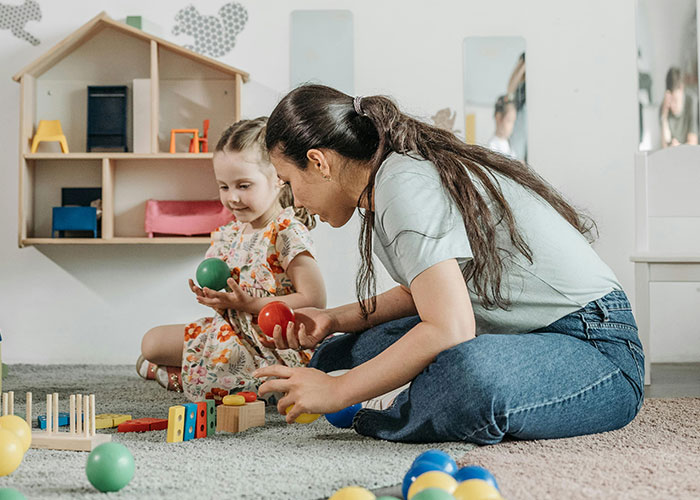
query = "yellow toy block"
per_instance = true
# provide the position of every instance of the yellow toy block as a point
(176, 423)
(109, 420)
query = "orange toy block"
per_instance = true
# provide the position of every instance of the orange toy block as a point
(201, 429)
(240, 418)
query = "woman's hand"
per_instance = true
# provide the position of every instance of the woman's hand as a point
(221, 301)
(308, 389)
(312, 326)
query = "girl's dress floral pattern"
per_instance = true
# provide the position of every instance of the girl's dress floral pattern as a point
(221, 352)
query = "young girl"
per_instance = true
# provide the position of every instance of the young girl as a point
(269, 251)
(505, 321)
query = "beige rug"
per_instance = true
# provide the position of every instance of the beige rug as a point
(657, 456)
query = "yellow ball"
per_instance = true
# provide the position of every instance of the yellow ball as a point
(233, 400)
(432, 479)
(353, 493)
(476, 489)
(11, 453)
(304, 418)
(17, 426)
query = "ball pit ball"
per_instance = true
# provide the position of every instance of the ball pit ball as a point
(343, 419)
(476, 488)
(304, 418)
(445, 462)
(110, 467)
(353, 493)
(434, 494)
(17, 426)
(213, 273)
(414, 472)
(11, 452)
(275, 313)
(11, 494)
(432, 479)
(475, 472)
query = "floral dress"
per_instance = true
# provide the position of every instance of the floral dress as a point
(221, 352)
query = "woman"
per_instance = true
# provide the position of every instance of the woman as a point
(505, 322)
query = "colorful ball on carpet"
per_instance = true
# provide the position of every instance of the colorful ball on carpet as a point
(414, 472)
(11, 452)
(475, 472)
(17, 426)
(304, 418)
(433, 494)
(343, 419)
(110, 467)
(213, 273)
(440, 458)
(432, 479)
(11, 494)
(353, 493)
(476, 489)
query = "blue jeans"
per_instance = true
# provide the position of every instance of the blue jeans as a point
(582, 374)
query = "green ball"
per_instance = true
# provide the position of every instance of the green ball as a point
(11, 494)
(432, 494)
(213, 273)
(110, 467)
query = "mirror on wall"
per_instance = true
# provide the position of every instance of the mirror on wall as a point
(495, 105)
(667, 64)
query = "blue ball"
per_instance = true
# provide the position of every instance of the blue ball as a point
(416, 470)
(445, 462)
(343, 418)
(476, 472)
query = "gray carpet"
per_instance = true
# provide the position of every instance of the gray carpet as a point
(279, 461)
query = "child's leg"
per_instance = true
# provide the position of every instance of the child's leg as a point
(163, 345)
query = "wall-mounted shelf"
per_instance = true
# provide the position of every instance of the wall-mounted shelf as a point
(168, 87)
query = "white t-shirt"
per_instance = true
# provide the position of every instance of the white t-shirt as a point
(417, 225)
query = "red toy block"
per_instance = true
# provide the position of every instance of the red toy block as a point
(143, 425)
(201, 429)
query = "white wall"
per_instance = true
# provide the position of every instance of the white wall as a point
(92, 304)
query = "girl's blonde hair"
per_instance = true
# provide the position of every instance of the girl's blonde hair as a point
(247, 134)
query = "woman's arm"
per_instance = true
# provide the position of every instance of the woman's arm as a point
(393, 304)
(442, 301)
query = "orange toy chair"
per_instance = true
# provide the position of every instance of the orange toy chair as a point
(203, 140)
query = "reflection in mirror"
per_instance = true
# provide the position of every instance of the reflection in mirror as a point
(667, 63)
(495, 107)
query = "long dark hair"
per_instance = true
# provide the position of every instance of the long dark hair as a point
(316, 116)
(247, 134)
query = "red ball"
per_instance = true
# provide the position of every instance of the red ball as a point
(275, 313)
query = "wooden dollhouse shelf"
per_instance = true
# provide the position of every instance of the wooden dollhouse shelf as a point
(197, 240)
(118, 156)
(168, 87)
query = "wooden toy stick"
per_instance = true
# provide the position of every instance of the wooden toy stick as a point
(78, 414)
(4, 403)
(11, 402)
(86, 418)
(71, 415)
(49, 420)
(92, 414)
(28, 409)
(55, 412)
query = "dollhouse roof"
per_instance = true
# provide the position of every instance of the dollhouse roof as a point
(103, 21)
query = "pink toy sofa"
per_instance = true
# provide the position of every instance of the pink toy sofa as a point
(186, 218)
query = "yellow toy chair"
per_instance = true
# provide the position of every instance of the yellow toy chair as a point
(49, 130)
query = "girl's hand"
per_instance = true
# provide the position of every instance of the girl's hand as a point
(200, 293)
(308, 389)
(235, 299)
(312, 326)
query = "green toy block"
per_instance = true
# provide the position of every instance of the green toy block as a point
(211, 417)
